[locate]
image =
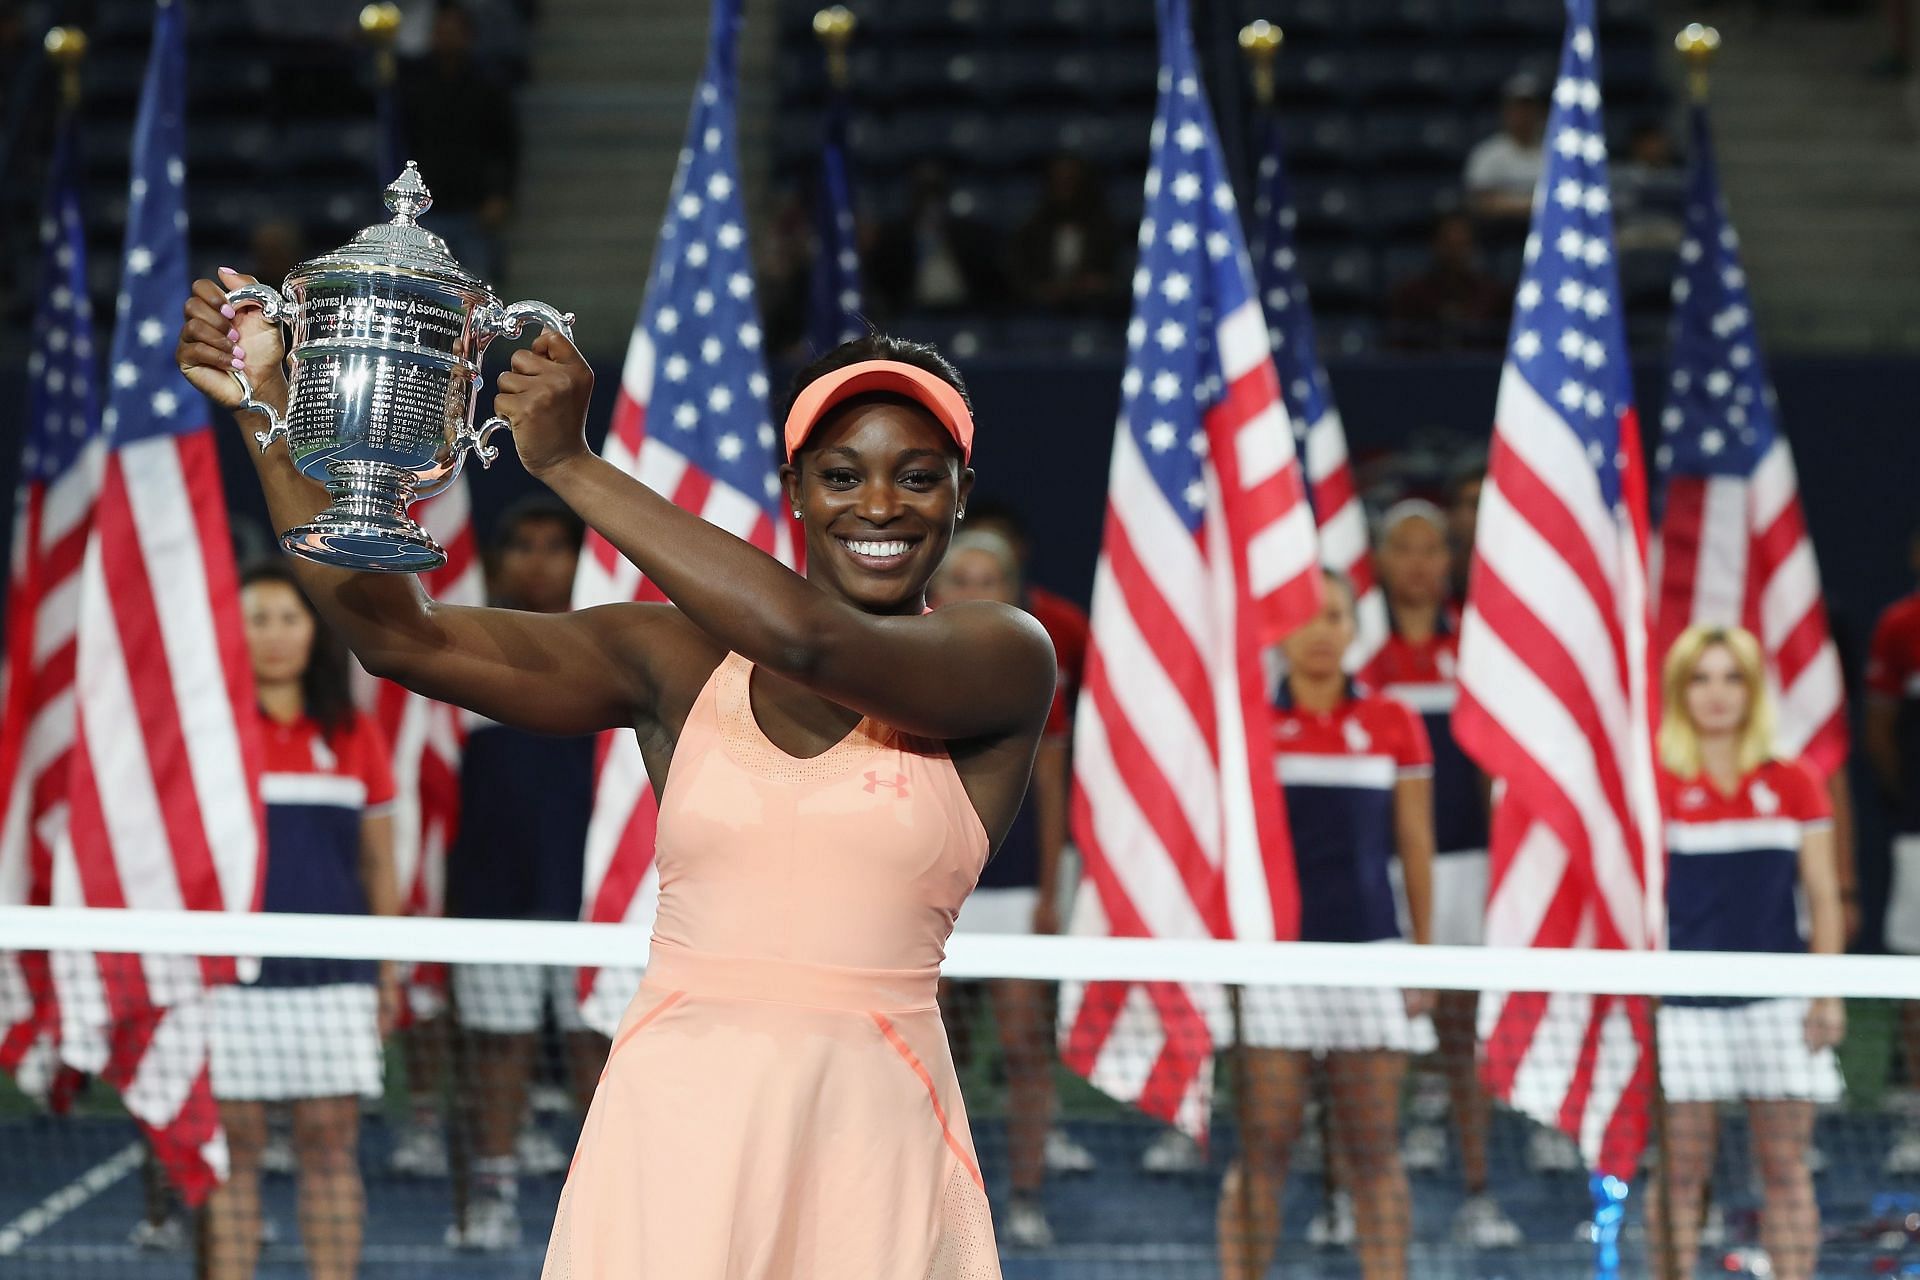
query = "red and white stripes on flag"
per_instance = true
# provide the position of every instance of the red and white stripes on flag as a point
(1733, 546)
(1734, 551)
(60, 477)
(1556, 696)
(1208, 553)
(43, 618)
(690, 423)
(163, 795)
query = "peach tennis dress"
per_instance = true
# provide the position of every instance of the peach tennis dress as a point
(779, 1102)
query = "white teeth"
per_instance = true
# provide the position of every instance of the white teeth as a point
(877, 550)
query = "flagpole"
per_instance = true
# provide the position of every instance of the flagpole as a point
(67, 46)
(1260, 43)
(834, 28)
(380, 27)
(1697, 45)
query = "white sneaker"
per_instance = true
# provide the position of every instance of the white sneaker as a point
(1026, 1226)
(1903, 1157)
(1483, 1224)
(492, 1226)
(1065, 1155)
(1551, 1151)
(1332, 1227)
(420, 1153)
(539, 1154)
(277, 1155)
(1172, 1152)
(1713, 1227)
(169, 1235)
(1425, 1149)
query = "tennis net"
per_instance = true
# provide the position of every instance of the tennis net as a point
(430, 1138)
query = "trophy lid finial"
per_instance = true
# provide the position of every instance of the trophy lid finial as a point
(408, 197)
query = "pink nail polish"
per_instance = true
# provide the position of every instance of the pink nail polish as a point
(226, 310)
(227, 271)
(233, 335)
(239, 362)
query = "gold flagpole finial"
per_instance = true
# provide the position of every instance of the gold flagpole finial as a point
(1697, 45)
(1260, 41)
(67, 46)
(380, 25)
(835, 27)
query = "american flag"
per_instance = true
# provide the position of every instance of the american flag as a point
(691, 422)
(833, 295)
(164, 808)
(1321, 438)
(1733, 543)
(59, 478)
(1555, 697)
(1208, 552)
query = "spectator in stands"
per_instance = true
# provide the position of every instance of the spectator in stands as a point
(459, 123)
(934, 259)
(308, 1031)
(277, 246)
(1065, 621)
(1418, 665)
(1746, 833)
(1018, 893)
(1891, 738)
(524, 804)
(1066, 256)
(1454, 304)
(1649, 191)
(1463, 517)
(1503, 170)
(1358, 777)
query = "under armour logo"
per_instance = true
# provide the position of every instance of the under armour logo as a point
(897, 784)
(1765, 798)
(1357, 737)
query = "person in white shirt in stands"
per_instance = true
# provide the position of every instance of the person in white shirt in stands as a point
(1503, 170)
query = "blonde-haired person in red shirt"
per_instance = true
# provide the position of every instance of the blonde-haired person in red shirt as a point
(1746, 833)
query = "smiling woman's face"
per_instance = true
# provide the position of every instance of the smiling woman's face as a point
(878, 486)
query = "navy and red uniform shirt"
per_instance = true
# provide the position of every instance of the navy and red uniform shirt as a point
(1893, 675)
(1425, 676)
(318, 788)
(1733, 860)
(525, 799)
(1338, 769)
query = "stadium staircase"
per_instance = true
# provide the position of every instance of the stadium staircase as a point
(602, 118)
(1822, 169)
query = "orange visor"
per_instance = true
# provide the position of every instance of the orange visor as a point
(927, 390)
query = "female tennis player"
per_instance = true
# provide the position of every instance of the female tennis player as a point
(834, 764)
(1747, 832)
(307, 1033)
(1358, 775)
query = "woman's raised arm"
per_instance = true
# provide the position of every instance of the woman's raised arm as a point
(552, 673)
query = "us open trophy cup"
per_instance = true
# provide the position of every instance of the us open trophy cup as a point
(388, 333)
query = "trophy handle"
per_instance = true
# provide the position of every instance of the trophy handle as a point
(279, 310)
(497, 321)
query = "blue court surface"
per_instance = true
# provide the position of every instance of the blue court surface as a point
(71, 1190)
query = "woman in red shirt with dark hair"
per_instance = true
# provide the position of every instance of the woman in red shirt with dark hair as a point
(307, 1032)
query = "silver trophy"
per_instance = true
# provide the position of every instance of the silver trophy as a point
(384, 369)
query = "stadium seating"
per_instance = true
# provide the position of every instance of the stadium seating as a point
(1379, 101)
